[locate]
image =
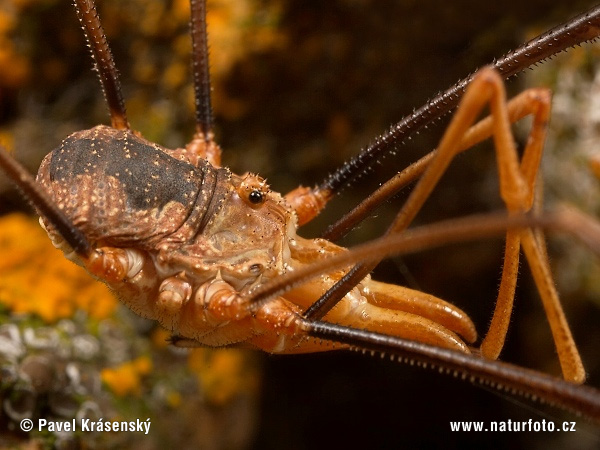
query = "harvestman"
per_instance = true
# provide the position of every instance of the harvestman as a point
(214, 257)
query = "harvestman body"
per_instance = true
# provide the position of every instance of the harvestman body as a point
(215, 258)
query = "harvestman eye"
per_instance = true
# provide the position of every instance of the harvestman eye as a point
(255, 197)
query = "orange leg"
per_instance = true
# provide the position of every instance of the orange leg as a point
(307, 202)
(203, 147)
(517, 181)
(494, 340)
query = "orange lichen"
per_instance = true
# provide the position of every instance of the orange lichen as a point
(174, 399)
(595, 165)
(37, 279)
(126, 379)
(160, 337)
(223, 374)
(7, 140)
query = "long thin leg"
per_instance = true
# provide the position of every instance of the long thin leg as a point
(203, 144)
(105, 65)
(568, 355)
(505, 377)
(44, 204)
(201, 69)
(496, 335)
